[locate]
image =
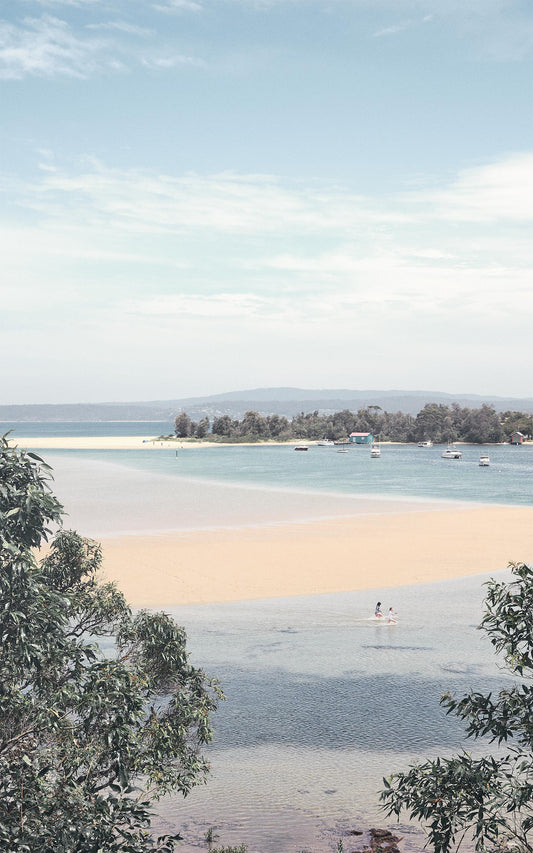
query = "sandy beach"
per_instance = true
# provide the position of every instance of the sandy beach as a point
(363, 552)
(122, 442)
(169, 541)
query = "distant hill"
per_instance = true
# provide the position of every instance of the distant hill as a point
(281, 401)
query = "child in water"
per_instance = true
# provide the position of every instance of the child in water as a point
(390, 617)
(378, 613)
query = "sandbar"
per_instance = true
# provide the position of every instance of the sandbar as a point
(319, 556)
(124, 442)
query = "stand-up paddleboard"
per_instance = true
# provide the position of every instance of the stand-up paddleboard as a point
(380, 620)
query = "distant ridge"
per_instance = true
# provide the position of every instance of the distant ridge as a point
(281, 401)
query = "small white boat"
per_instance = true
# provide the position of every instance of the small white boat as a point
(301, 447)
(375, 451)
(484, 460)
(451, 452)
(426, 443)
(325, 442)
(343, 450)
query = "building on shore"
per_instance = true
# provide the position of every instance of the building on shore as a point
(361, 438)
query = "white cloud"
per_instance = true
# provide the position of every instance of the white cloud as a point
(122, 27)
(494, 192)
(48, 47)
(392, 30)
(173, 61)
(226, 202)
(178, 6)
(206, 306)
(245, 260)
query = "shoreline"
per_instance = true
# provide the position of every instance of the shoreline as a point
(132, 442)
(313, 558)
(173, 541)
(146, 442)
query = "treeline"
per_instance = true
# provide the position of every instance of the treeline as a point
(437, 422)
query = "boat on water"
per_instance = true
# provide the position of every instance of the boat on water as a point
(375, 451)
(325, 442)
(484, 460)
(301, 447)
(343, 450)
(426, 443)
(451, 452)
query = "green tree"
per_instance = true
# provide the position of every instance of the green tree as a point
(482, 425)
(89, 739)
(277, 425)
(254, 425)
(223, 425)
(202, 428)
(490, 797)
(182, 425)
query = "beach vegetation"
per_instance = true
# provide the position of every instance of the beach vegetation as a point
(101, 712)
(241, 848)
(488, 799)
(211, 835)
(435, 421)
(202, 428)
(182, 425)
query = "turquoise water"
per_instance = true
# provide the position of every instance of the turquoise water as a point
(402, 470)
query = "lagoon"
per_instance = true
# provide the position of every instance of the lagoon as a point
(321, 701)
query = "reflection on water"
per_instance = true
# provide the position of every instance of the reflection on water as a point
(321, 704)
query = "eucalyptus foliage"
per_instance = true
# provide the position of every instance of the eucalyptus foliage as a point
(101, 712)
(491, 798)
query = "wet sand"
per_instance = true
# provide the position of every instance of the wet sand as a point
(170, 541)
(319, 556)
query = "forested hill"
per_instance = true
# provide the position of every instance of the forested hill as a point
(287, 402)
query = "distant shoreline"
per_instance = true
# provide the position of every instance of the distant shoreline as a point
(169, 541)
(139, 442)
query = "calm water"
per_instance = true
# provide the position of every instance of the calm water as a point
(402, 470)
(322, 703)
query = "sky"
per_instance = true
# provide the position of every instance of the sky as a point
(200, 196)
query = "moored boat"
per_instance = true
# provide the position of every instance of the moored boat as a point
(451, 452)
(426, 443)
(484, 460)
(301, 447)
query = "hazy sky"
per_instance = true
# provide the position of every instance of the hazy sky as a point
(210, 195)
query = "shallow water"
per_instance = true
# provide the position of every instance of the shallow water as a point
(274, 484)
(322, 703)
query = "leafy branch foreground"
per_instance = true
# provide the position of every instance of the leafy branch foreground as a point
(88, 739)
(490, 798)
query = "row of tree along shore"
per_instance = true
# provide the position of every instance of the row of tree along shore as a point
(435, 422)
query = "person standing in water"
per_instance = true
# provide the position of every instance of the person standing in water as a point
(390, 617)
(378, 613)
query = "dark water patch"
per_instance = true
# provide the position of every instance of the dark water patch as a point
(460, 668)
(386, 712)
